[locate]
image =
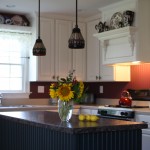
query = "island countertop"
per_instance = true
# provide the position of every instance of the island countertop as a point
(51, 120)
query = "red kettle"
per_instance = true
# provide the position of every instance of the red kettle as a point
(125, 100)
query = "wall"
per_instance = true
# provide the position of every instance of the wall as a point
(140, 79)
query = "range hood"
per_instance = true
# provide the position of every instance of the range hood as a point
(118, 46)
(127, 44)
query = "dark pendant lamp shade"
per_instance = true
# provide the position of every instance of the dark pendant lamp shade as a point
(39, 48)
(76, 40)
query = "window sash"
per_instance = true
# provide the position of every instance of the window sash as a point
(13, 61)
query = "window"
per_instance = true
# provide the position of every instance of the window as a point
(14, 61)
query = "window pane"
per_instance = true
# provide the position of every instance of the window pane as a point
(16, 84)
(4, 70)
(4, 83)
(16, 71)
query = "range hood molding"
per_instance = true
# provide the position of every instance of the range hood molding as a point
(116, 33)
(117, 40)
(129, 32)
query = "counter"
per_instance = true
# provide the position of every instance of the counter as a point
(43, 130)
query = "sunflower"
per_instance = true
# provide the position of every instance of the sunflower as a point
(64, 92)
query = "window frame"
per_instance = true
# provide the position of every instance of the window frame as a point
(25, 82)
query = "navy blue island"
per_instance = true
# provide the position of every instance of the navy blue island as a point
(43, 130)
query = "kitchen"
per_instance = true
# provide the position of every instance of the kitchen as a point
(139, 74)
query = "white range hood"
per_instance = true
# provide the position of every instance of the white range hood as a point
(128, 44)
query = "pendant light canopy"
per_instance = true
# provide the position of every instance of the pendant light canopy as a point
(76, 40)
(39, 48)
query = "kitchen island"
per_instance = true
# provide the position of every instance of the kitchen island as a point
(43, 130)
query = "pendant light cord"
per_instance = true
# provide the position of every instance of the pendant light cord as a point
(39, 21)
(76, 13)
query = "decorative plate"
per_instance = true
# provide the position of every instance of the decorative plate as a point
(17, 20)
(116, 21)
(2, 19)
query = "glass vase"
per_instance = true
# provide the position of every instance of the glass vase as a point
(65, 110)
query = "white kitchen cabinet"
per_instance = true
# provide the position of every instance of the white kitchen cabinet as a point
(96, 71)
(46, 63)
(93, 53)
(127, 44)
(59, 59)
(145, 139)
(145, 132)
(63, 55)
(79, 56)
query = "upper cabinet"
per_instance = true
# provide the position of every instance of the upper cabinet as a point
(126, 44)
(79, 56)
(59, 59)
(63, 55)
(46, 68)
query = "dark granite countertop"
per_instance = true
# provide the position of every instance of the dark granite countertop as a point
(51, 120)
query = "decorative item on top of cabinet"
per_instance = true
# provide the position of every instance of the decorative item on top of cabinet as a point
(128, 18)
(118, 20)
(101, 27)
(14, 19)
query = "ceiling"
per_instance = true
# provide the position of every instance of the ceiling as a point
(65, 7)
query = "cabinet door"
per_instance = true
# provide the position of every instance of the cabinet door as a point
(46, 63)
(93, 52)
(79, 57)
(63, 57)
(145, 141)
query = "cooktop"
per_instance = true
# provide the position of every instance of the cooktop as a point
(133, 106)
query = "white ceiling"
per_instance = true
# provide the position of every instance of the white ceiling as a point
(66, 7)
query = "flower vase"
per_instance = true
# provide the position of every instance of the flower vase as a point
(65, 109)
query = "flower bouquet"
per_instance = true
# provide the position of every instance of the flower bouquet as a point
(67, 90)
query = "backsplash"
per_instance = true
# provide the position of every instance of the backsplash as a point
(140, 79)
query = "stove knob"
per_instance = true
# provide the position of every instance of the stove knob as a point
(124, 114)
(104, 112)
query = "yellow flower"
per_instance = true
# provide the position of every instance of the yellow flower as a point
(67, 89)
(52, 93)
(64, 92)
(52, 85)
(81, 87)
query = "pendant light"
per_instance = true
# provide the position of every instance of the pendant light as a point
(76, 40)
(39, 48)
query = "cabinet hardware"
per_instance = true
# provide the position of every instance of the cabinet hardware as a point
(57, 77)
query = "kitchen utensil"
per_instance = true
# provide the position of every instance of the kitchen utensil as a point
(125, 100)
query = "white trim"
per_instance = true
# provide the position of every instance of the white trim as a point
(14, 28)
(15, 95)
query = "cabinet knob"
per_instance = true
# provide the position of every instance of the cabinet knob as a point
(96, 77)
(57, 77)
(99, 77)
(53, 76)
